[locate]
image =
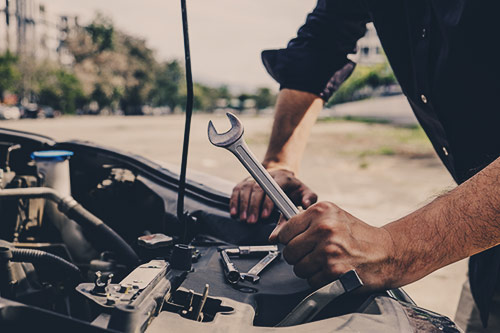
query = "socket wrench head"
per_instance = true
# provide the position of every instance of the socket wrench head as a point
(229, 137)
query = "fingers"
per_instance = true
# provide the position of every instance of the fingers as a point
(256, 198)
(327, 275)
(247, 200)
(318, 280)
(298, 248)
(308, 266)
(267, 207)
(295, 226)
(273, 237)
(308, 197)
(245, 193)
(234, 202)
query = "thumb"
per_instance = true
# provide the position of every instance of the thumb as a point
(273, 237)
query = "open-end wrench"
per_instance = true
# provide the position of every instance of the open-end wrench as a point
(233, 141)
(246, 251)
(253, 274)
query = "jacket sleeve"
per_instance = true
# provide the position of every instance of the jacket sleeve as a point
(316, 60)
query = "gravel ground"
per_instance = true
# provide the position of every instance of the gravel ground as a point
(376, 172)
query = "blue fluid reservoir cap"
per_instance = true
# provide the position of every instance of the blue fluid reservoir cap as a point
(51, 155)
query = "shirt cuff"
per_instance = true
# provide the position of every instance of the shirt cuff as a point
(310, 73)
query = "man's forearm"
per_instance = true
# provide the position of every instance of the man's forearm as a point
(452, 227)
(296, 112)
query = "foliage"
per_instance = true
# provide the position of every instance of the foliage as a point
(363, 78)
(264, 98)
(9, 73)
(167, 86)
(58, 88)
(114, 70)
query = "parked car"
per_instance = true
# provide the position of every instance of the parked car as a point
(9, 112)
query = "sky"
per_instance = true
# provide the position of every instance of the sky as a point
(226, 36)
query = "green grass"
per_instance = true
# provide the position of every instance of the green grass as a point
(366, 120)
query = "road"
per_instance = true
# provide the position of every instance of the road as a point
(376, 172)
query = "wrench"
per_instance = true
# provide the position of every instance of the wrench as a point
(233, 141)
(230, 271)
(248, 250)
(253, 274)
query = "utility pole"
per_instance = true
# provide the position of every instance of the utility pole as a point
(7, 26)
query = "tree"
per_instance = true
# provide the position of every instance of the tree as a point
(264, 98)
(60, 90)
(10, 75)
(167, 85)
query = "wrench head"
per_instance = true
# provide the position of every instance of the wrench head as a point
(251, 277)
(229, 137)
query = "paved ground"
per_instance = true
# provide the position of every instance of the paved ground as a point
(376, 172)
(394, 109)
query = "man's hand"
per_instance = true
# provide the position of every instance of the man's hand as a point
(249, 202)
(325, 241)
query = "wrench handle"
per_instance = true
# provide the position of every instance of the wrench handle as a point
(264, 179)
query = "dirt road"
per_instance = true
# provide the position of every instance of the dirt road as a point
(376, 172)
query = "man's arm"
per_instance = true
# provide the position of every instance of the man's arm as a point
(325, 241)
(296, 112)
(313, 65)
(457, 225)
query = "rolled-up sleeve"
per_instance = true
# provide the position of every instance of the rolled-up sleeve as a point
(316, 60)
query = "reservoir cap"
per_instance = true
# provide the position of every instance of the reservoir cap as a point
(51, 155)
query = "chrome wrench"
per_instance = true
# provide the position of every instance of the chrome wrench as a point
(253, 274)
(233, 141)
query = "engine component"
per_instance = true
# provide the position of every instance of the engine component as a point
(53, 167)
(182, 257)
(76, 212)
(54, 172)
(315, 302)
(134, 301)
(45, 258)
(7, 279)
(30, 212)
(155, 241)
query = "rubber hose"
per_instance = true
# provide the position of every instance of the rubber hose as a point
(41, 257)
(87, 220)
(76, 212)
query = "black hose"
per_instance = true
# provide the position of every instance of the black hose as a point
(74, 211)
(114, 241)
(45, 258)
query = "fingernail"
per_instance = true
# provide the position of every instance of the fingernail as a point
(233, 211)
(272, 236)
(252, 219)
(265, 213)
(243, 216)
(307, 202)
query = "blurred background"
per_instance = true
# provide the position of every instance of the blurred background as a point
(112, 72)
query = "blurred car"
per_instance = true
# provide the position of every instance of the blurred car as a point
(30, 110)
(9, 112)
(48, 112)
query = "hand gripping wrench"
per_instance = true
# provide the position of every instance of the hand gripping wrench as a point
(233, 141)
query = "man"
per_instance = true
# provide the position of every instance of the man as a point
(441, 53)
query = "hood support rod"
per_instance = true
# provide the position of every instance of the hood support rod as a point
(181, 215)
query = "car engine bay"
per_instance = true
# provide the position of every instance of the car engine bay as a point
(110, 254)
